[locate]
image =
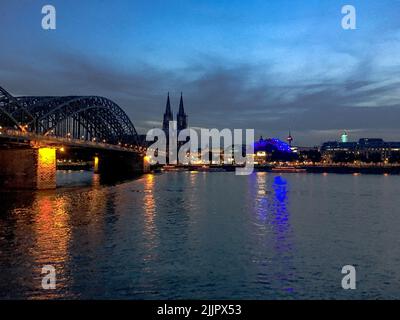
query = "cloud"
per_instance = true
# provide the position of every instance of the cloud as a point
(221, 93)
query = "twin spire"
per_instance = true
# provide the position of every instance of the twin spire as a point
(181, 116)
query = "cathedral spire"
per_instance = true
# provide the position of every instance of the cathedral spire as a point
(181, 116)
(168, 116)
(168, 111)
(181, 108)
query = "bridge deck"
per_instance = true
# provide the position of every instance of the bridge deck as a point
(17, 136)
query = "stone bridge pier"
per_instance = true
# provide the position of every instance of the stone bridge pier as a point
(119, 164)
(28, 168)
(35, 167)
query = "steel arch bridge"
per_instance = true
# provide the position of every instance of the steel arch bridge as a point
(88, 118)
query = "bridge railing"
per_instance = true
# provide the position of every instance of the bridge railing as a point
(26, 135)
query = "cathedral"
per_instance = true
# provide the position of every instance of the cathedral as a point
(181, 124)
(181, 117)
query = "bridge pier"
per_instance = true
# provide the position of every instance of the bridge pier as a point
(119, 164)
(28, 168)
(96, 164)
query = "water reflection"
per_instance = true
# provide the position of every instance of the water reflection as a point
(271, 206)
(52, 237)
(149, 203)
(46, 228)
(261, 195)
(279, 206)
(149, 208)
(199, 235)
(96, 180)
(35, 230)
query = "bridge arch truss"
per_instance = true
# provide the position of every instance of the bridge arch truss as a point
(89, 118)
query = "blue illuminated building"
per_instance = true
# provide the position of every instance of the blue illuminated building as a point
(271, 145)
(272, 150)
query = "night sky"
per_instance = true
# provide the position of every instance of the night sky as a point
(271, 65)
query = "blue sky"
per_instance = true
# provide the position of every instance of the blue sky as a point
(269, 65)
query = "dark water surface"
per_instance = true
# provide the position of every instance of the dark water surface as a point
(189, 235)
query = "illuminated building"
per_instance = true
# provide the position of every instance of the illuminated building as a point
(272, 149)
(365, 150)
(270, 145)
(345, 137)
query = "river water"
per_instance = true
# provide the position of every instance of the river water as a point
(187, 235)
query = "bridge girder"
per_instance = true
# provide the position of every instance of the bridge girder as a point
(78, 117)
(11, 112)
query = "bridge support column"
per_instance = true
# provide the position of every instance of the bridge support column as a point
(96, 164)
(146, 164)
(33, 168)
(119, 164)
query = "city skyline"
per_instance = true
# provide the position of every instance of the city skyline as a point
(270, 66)
(199, 158)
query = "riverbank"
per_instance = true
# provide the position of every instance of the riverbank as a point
(353, 169)
(317, 168)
